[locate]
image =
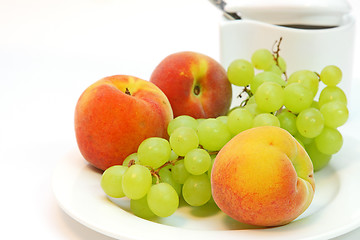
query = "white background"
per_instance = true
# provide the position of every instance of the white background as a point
(50, 51)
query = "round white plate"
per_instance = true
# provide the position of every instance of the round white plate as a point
(334, 211)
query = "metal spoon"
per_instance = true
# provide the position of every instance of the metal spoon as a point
(221, 5)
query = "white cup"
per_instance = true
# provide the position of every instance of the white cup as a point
(311, 49)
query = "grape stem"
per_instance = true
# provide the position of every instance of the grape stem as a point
(249, 94)
(155, 172)
(276, 55)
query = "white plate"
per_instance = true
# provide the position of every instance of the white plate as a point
(334, 211)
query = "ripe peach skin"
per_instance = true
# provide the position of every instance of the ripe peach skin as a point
(111, 122)
(195, 84)
(263, 177)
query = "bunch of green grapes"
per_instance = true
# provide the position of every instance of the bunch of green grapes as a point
(274, 99)
(163, 171)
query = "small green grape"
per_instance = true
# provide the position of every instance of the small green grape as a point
(240, 72)
(154, 152)
(162, 199)
(197, 161)
(269, 96)
(266, 119)
(183, 140)
(331, 75)
(262, 59)
(111, 181)
(310, 122)
(136, 181)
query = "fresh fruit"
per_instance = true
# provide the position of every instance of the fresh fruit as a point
(111, 181)
(240, 72)
(213, 134)
(154, 152)
(162, 171)
(136, 181)
(183, 140)
(115, 114)
(239, 120)
(297, 97)
(262, 59)
(257, 162)
(263, 176)
(329, 141)
(269, 97)
(331, 75)
(163, 199)
(197, 161)
(306, 78)
(195, 84)
(197, 190)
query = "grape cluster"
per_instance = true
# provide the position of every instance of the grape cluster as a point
(163, 171)
(272, 98)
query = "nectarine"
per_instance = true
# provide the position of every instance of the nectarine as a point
(263, 177)
(195, 84)
(115, 114)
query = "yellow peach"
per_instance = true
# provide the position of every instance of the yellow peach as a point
(263, 177)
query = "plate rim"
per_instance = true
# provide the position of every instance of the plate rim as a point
(178, 231)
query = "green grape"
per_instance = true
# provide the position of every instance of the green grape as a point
(239, 120)
(196, 190)
(266, 119)
(275, 69)
(331, 75)
(297, 97)
(211, 166)
(335, 113)
(253, 108)
(162, 199)
(213, 134)
(251, 100)
(304, 140)
(154, 152)
(184, 139)
(182, 121)
(132, 156)
(111, 181)
(262, 77)
(310, 122)
(136, 181)
(332, 93)
(269, 96)
(299, 141)
(240, 72)
(197, 161)
(288, 121)
(329, 141)
(262, 59)
(315, 104)
(173, 156)
(307, 78)
(141, 208)
(179, 172)
(319, 159)
(166, 176)
(223, 119)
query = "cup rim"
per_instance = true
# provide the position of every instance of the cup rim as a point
(347, 22)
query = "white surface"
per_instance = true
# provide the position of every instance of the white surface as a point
(50, 51)
(76, 187)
